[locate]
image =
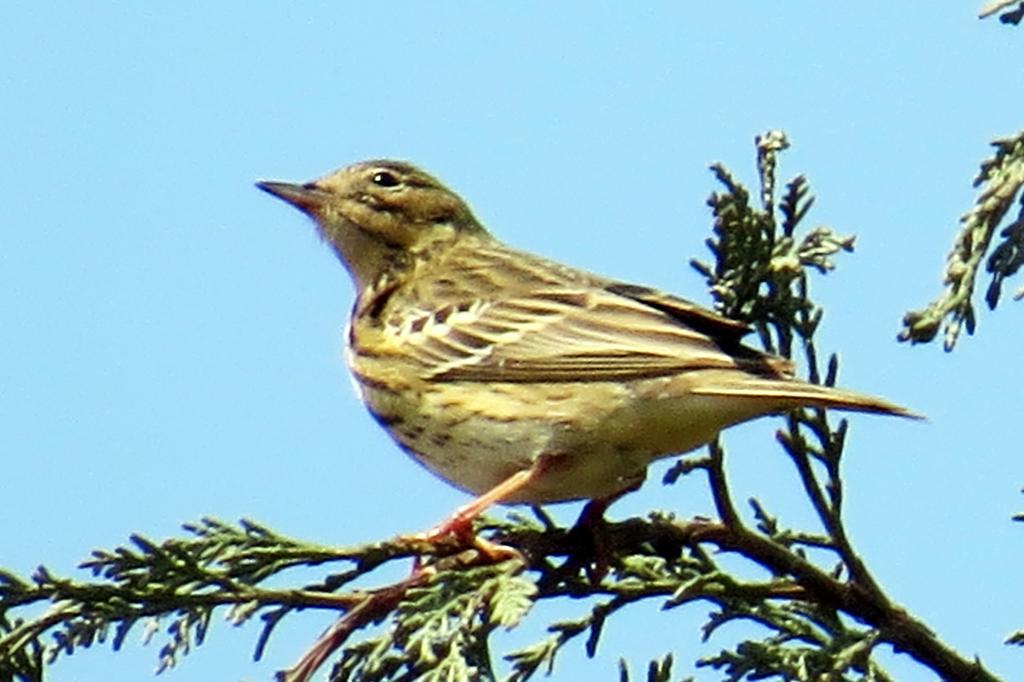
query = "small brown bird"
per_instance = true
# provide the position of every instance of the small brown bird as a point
(520, 379)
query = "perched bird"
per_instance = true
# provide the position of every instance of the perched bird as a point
(517, 378)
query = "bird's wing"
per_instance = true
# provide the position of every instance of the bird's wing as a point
(686, 312)
(577, 334)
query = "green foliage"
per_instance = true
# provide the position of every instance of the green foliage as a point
(657, 671)
(759, 272)
(1001, 178)
(177, 583)
(440, 630)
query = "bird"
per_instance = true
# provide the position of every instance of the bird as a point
(519, 379)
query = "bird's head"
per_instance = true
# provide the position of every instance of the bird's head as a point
(379, 214)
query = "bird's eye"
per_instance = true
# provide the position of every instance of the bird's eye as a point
(385, 179)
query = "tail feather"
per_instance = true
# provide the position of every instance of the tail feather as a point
(794, 394)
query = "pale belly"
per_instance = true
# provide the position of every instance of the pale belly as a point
(597, 439)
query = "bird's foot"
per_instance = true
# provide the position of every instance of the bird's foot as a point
(457, 530)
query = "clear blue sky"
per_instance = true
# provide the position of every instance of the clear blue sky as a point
(171, 336)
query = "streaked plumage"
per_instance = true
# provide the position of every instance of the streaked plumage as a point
(483, 361)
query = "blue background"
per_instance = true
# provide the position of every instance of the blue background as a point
(171, 336)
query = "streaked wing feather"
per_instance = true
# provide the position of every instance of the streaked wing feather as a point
(584, 334)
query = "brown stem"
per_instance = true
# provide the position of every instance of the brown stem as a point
(374, 606)
(897, 627)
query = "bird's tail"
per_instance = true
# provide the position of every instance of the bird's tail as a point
(793, 394)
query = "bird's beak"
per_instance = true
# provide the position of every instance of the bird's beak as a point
(307, 198)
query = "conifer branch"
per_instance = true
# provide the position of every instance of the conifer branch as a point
(1001, 178)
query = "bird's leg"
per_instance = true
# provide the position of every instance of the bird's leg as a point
(460, 523)
(591, 524)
